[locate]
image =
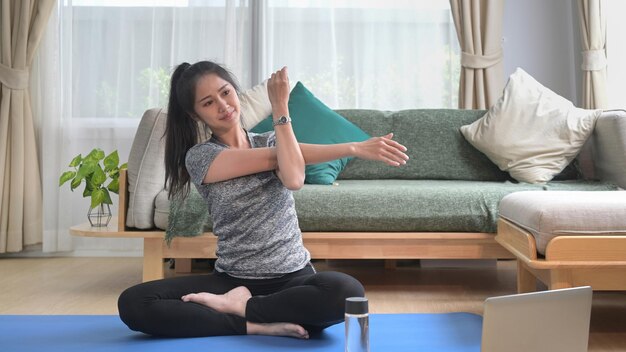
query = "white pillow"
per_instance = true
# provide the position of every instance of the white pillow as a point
(255, 105)
(531, 132)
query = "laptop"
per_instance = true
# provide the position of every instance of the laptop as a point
(556, 320)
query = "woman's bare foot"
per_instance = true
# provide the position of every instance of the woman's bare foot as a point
(232, 302)
(277, 329)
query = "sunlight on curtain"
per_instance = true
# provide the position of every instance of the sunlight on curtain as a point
(387, 55)
(352, 54)
(616, 53)
(122, 56)
(104, 62)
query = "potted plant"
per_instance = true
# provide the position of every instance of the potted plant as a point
(96, 169)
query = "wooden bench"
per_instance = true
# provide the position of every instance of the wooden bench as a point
(321, 245)
(597, 261)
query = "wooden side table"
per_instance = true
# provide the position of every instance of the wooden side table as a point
(154, 247)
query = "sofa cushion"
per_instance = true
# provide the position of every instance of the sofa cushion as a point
(531, 132)
(146, 168)
(436, 148)
(547, 215)
(412, 205)
(315, 123)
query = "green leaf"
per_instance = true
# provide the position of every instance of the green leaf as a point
(85, 170)
(88, 190)
(124, 166)
(107, 197)
(96, 154)
(76, 161)
(97, 197)
(75, 183)
(98, 177)
(89, 182)
(66, 176)
(114, 186)
(111, 161)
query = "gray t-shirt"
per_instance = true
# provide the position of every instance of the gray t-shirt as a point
(254, 216)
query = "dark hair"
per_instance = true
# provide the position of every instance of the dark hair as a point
(182, 131)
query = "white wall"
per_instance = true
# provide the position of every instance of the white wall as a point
(543, 38)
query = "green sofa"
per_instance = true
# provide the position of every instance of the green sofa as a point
(443, 204)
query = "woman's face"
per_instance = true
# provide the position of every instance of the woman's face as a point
(217, 103)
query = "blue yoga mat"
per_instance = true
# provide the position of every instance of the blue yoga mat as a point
(388, 332)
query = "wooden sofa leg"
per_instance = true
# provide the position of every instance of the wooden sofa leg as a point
(560, 278)
(183, 265)
(152, 259)
(391, 264)
(526, 281)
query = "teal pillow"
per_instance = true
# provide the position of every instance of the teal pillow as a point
(315, 123)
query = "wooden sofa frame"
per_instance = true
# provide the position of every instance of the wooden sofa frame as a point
(321, 245)
(597, 261)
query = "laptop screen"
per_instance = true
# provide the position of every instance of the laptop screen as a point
(556, 320)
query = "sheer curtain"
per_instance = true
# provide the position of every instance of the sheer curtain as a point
(370, 54)
(615, 53)
(104, 62)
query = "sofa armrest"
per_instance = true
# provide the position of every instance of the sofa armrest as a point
(146, 170)
(609, 147)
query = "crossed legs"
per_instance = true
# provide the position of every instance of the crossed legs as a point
(217, 304)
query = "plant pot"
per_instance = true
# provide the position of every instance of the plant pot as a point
(100, 215)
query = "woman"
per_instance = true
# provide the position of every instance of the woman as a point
(263, 282)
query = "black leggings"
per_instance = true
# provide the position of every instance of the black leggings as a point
(313, 300)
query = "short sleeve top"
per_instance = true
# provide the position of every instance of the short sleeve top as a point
(254, 216)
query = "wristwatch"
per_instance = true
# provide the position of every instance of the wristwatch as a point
(283, 120)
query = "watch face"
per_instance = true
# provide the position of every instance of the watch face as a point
(282, 120)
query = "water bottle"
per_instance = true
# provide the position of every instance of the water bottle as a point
(357, 325)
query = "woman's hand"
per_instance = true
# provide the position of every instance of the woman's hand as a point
(290, 162)
(278, 90)
(382, 149)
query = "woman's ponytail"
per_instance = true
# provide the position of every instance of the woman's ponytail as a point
(181, 133)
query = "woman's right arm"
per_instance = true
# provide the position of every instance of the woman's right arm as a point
(233, 163)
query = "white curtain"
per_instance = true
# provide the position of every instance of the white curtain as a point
(615, 53)
(592, 19)
(104, 62)
(386, 55)
(101, 66)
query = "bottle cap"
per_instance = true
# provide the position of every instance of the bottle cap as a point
(356, 305)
